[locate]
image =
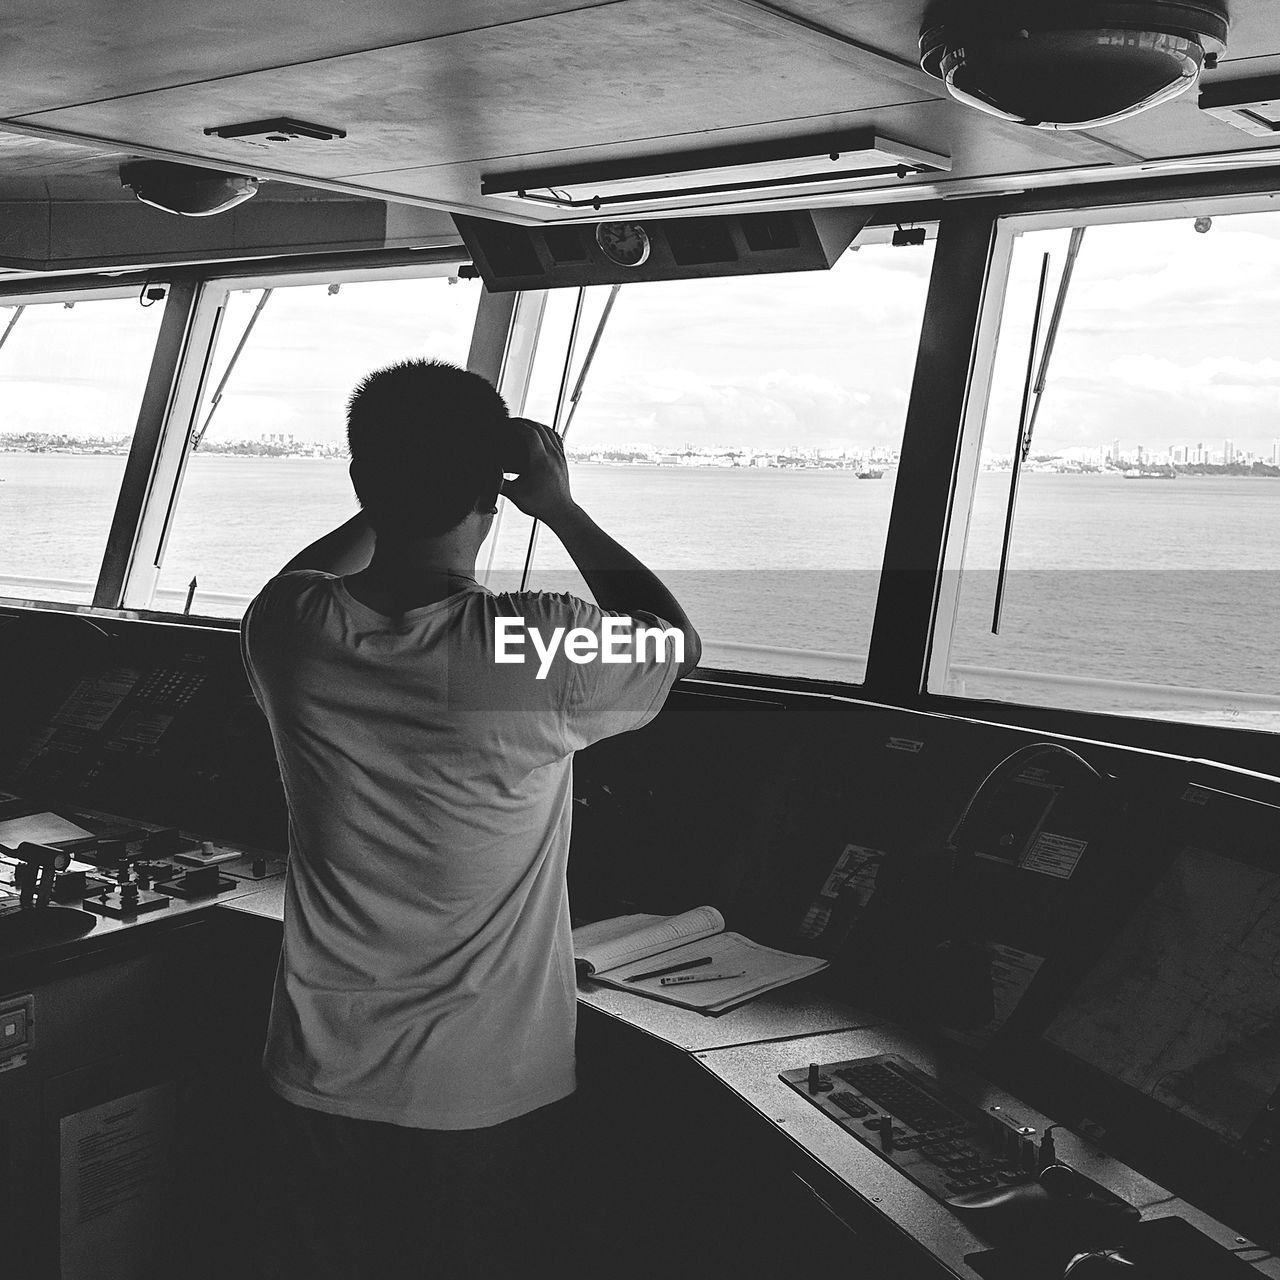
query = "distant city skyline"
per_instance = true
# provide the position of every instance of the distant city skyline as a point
(877, 459)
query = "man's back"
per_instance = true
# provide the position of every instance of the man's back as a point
(427, 974)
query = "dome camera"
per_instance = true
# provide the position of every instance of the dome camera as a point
(185, 188)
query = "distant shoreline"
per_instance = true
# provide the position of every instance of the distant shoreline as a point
(1234, 471)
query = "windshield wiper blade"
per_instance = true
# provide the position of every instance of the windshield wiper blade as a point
(576, 394)
(1051, 333)
(1020, 450)
(13, 320)
(1032, 392)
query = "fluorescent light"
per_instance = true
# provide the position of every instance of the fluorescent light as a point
(849, 158)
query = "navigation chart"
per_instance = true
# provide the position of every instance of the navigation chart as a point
(1185, 1004)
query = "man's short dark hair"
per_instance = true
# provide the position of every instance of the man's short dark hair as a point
(424, 438)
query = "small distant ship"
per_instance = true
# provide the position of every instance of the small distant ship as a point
(870, 474)
(1135, 474)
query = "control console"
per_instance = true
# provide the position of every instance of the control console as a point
(123, 870)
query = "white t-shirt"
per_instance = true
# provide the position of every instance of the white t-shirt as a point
(427, 972)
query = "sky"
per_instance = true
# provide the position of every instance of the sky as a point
(1167, 338)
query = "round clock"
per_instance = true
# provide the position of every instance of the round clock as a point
(623, 243)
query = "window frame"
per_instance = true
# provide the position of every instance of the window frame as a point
(880, 232)
(97, 288)
(182, 378)
(1006, 227)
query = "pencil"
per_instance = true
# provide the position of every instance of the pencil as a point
(671, 968)
(682, 978)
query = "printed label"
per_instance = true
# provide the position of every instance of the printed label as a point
(1053, 855)
(1012, 972)
(143, 729)
(855, 869)
(855, 874)
(91, 702)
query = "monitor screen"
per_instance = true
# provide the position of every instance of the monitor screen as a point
(1184, 1005)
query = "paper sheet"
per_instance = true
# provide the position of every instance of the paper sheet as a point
(39, 828)
(116, 1177)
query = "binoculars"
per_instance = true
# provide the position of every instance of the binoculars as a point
(513, 446)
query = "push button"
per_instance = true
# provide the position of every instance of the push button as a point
(13, 1030)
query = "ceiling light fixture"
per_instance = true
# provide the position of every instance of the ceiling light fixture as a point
(278, 129)
(185, 188)
(850, 158)
(1058, 65)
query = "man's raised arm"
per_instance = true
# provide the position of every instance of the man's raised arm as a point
(619, 581)
(346, 549)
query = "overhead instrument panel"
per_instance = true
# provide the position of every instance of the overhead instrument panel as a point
(619, 252)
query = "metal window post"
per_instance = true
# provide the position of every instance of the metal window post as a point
(169, 460)
(503, 345)
(949, 376)
(171, 345)
(491, 333)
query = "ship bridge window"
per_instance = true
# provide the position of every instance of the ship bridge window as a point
(264, 470)
(1140, 575)
(73, 368)
(741, 435)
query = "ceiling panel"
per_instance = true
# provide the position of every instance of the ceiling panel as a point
(613, 74)
(1180, 128)
(62, 52)
(1255, 32)
(434, 95)
(891, 28)
(44, 157)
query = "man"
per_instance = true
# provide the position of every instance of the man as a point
(421, 1031)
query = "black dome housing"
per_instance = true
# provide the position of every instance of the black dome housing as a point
(186, 188)
(1055, 65)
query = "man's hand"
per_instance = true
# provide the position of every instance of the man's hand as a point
(542, 488)
(619, 581)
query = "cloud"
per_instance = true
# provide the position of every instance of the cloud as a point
(1240, 373)
(775, 407)
(1157, 276)
(819, 360)
(1167, 336)
(80, 407)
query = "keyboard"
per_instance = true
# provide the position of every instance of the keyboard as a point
(942, 1142)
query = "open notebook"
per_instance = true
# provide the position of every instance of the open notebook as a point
(613, 951)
